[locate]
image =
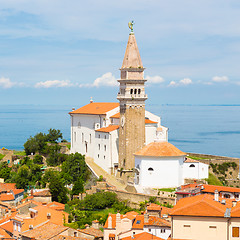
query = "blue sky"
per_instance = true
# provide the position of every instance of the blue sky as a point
(64, 52)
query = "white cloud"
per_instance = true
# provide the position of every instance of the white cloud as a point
(154, 79)
(54, 83)
(6, 83)
(106, 79)
(183, 82)
(220, 79)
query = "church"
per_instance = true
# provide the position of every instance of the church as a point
(117, 134)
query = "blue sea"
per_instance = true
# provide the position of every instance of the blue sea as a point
(192, 128)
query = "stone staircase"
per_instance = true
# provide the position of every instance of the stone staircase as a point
(110, 179)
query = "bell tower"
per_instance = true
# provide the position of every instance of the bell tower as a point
(132, 105)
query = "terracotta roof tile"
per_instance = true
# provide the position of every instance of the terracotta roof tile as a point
(96, 108)
(200, 205)
(6, 197)
(156, 221)
(158, 149)
(64, 237)
(92, 231)
(56, 206)
(7, 186)
(44, 193)
(143, 236)
(110, 128)
(117, 115)
(7, 226)
(17, 191)
(45, 231)
(189, 160)
(148, 121)
(4, 234)
(212, 188)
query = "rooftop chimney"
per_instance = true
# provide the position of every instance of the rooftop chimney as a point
(216, 196)
(146, 218)
(91, 100)
(95, 224)
(73, 108)
(109, 221)
(234, 203)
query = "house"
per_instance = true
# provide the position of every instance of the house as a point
(120, 226)
(142, 236)
(195, 169)
(188, 190)
(206, 217)
(32, 214)
(51, 231)
(43, 196)
(92, 233)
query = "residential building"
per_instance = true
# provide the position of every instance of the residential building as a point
(206, 217)
(188, 190)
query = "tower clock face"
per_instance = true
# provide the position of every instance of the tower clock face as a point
(122, 121)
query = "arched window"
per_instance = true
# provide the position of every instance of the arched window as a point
(139, 91)
(192, 165)
(135, 91)
(131, 91)
(150, 169)
(79, 125)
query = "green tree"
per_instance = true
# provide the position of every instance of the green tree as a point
(75, 167)
(38, 159)
(57, 188)
(53, 152)
(78, 187)
(53, 135)
(23, 177)
(4, 171)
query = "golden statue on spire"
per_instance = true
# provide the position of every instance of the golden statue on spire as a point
(130, 25)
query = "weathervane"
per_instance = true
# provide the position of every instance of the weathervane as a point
(130, 25)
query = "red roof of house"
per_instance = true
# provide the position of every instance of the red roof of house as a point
(17, 191)
(6, 197)
(8, 226)
(4, 234)
(160, 149)
(204, 205)
(212, 188)
(149, 121)
(110, 128)
(143, 236)
(96, 108)
(7, 187)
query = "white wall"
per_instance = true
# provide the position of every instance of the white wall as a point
(159, 231)
(153, 117)
(150, 133)
(199, 171)
(167, 171)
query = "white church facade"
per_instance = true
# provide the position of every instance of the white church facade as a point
(125, 137)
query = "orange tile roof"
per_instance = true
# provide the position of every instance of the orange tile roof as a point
(189, 160)
(156, 221)
(117, 115)
(160, 149)
(143, 236)
(110, 128)
(44, 193)
(17, 191)
(6, 197)
(96, 108)
(149, 121)
(92, 231)
(45, 231)
(64, 237)
(212, 188)
(7, 186)
(154, 206)
(4, 234)
(8, 226)
(200, 205)
(56, 206)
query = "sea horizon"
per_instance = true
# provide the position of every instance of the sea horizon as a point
(198, 128)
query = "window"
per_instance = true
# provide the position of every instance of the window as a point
(235, 231)
(104, 157)
(75, 234)
(15, 226)
(98, 155)
(135, 91)
(82, 137)
(192, 165)
(150, 169)
(19, 227)
(139, 91)
(79, 125)
(212, 226)
(98, 146)
(163, 230)
(90, 138)
(186, 225)
(149, 230)
(131, 91)
(105, 147)
(98, 135)
(138, 222)
(75, 136)
(105, 136)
